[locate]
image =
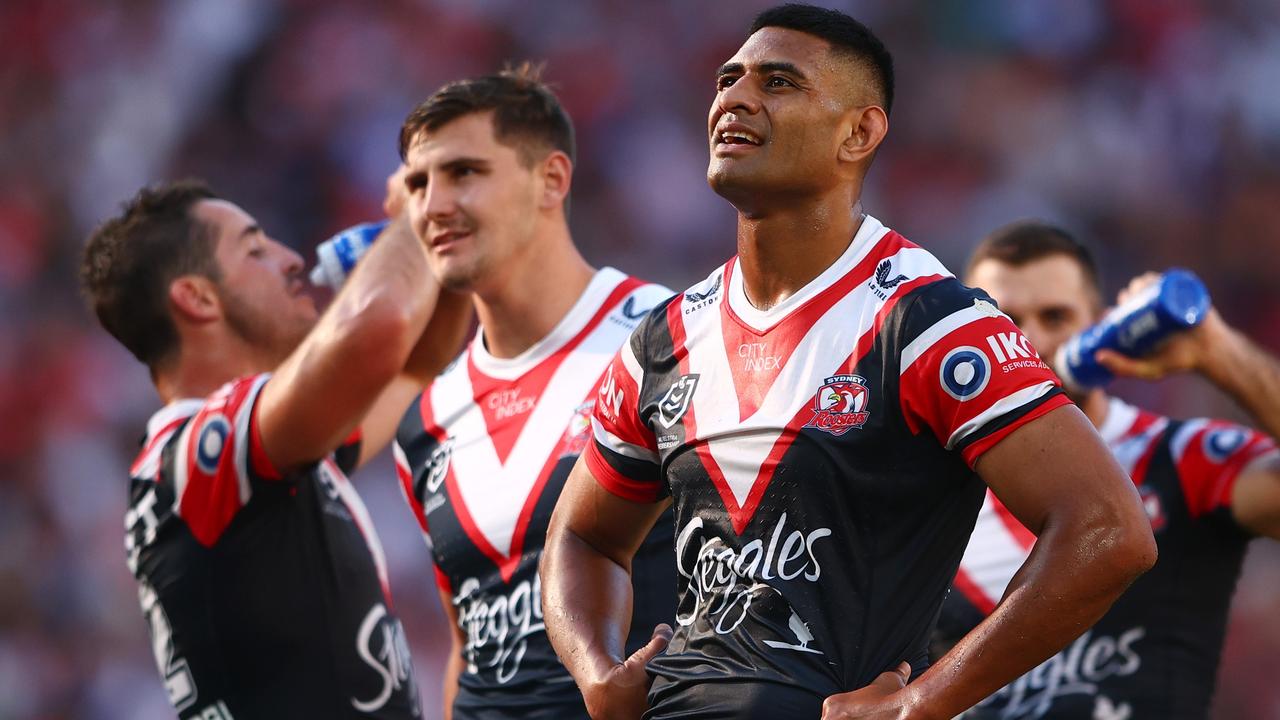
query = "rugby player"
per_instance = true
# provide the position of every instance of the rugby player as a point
(1208, 486)
(824, 410)
(484, 452)
(259, 572)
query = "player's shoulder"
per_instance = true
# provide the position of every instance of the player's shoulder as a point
(223, 413)
(453, 381)
(635, 299)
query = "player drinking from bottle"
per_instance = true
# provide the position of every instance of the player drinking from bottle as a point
(1208, 487)
(259, 572)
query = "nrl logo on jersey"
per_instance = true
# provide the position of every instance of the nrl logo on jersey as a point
(675, 403)
(840, 405)
(438, 465)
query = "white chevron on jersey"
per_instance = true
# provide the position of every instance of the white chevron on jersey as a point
(495, 493)
(740, 447)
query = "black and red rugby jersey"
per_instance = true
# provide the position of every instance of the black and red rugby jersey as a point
(266, 596)
(819, 456)
(483, 455)
(1155, 653)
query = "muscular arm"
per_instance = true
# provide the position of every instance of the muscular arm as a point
(324, 389)
(1059, 480)
(586, 592)
(438, 345)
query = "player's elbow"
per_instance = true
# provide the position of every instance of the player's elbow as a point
(1122, 547)
(378, 338)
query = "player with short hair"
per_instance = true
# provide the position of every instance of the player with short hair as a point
(1208, 487)
(823, 412)
(484, 452)
(259, 572)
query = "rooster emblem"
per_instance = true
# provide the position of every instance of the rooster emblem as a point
(840, 405)
(882, 275)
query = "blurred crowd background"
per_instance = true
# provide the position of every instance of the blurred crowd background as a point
(1149, 127)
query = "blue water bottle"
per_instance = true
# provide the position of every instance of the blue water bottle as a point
(1177, 302)
(338, 255)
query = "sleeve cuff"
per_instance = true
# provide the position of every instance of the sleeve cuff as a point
(975, 449)
(636, 491)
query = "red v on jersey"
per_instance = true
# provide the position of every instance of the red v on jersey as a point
(736, 419)
(756, 357)
(508, 404)
(501, 456)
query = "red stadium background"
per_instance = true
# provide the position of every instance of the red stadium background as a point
(1151, 128)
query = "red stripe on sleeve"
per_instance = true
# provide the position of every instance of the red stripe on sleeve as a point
(607, 477)
(977, 448)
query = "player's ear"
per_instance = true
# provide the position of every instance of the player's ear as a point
(867, 126)
(195, 298)
(556, 172)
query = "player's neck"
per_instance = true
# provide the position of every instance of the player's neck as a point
(202, 367)
(523, 303)
(781, 252)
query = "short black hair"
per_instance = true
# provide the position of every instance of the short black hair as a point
(526, 114)
(1025, 241)
(845, 34)
(130, 260)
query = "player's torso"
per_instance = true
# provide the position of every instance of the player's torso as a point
(287, 612)
(1155, 653)
(815, 530)
(484, 455)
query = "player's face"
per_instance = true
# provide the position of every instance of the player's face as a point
(262, 289)
(471, 200)
(781, 111)
(1048, 299)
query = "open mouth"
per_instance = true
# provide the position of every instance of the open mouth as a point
(737, 137)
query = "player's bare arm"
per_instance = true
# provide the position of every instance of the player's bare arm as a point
(586, 594)
(1059, 480)
(318, 396)
(454, 665)
(1247, 374)
(438, 345)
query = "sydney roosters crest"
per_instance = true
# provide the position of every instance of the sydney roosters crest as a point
(840, 405)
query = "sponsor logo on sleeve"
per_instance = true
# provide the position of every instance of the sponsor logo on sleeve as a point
(210, 441)
(1220, 443)
(840, 405)
(610, 397)
(675, 403)
(1013, 351)
(965, 372)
